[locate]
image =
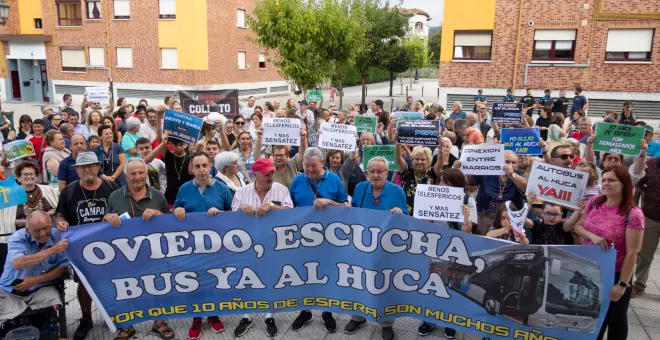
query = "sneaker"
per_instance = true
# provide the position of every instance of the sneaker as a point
(84, 328)
(329, 322)
(353, 326)
(636, 292)
(195, 330)
(387, 333)
(215, 323)
(303, 318)
(425, 328)
(242, 327)
(271, 328)
(450, 333)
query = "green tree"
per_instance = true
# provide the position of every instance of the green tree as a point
(419, 55)
(434, 47)
(383, 24)
(397, 61)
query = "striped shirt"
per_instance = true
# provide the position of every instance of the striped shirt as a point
(247, 195)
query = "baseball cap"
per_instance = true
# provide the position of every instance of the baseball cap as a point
(86, 158)
(547, 90)
(480, 91)
(509, 90)
(648, 128)
(303, 102)
(263, 165)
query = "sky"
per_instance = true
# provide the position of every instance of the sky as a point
(435, 8)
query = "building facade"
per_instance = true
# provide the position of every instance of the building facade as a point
(148, 48)
(611, 48)
(418, 22)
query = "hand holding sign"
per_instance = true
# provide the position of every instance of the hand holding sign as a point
(517, 219)
(483, 160)
(618, 139)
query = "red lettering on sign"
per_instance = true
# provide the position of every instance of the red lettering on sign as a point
(561, 195)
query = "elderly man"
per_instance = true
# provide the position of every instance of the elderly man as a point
(260, 197)
(584, 129)
(35, 259)
(78, 129)
(148, 128)
(130, 137)
(457, 112)
(47, 112)
(67, 132)
(82, 202)
(137, 199)
(67, 173)
(473, 121)
(247, 109)
(276, 105)
(377, 194)
(286, 168)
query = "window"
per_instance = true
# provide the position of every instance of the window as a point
(73, 59)
(240, 18)
(124, 57)
(68, 13)
(629, 44)
(241, 61)
(167, 9)
(554, 45)
(96, 56)
(93, 9)
(419, 26)
(122, 9)
(38, 24)
(169, 58)
(472, 45)
(262, 60)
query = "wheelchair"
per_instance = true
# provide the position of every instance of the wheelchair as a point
(30, 315)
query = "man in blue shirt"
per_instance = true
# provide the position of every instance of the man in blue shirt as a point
(78, 129)
(319, 188)
(510, 98)
(458, 112)
(35, 258)
(202, 194)
(377, 194)
(479, 99)
(66, 172)
(580, 102)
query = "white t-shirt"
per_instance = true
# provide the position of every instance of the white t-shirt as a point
(147, 131)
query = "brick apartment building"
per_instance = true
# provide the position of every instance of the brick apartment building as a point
(610, 47)
(150, 48)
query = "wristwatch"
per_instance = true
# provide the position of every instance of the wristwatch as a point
(623, 284)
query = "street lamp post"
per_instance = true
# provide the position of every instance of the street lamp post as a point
(4, 12)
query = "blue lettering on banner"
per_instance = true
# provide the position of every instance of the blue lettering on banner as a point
(182, 126)
(524, 141)
(347, 260)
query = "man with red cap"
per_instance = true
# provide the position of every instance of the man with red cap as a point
(260, 197)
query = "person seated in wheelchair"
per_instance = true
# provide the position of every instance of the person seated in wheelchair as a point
(35, 259)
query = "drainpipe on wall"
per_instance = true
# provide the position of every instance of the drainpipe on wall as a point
(527, 66)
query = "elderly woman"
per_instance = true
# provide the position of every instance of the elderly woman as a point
(421, 171)
(443, 153)
(111, 155)
(334, 159)
(130, 137)
(54, 153)
(40, 197)
(227, 165)
(612, 220)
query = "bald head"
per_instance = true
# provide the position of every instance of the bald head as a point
(78, 144)
(38, 225)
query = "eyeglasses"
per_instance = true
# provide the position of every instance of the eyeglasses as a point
(28, 174)
(550, 214)
(565, 157)
(239, 123)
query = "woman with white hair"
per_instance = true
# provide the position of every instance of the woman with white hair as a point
(227, 165)
(421, 171)
(130, 137)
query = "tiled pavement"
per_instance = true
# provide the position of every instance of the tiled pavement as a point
(643, 320)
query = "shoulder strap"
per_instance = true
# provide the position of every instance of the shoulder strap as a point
(70, 190)
(364, 193)
(314, 189)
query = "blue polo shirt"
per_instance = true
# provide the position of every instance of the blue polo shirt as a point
(216, 195)
(66, 171)
(330, 187)
(21, 243)
(459, 115)
(391, 196)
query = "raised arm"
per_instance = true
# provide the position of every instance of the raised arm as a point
(589, 154)
(403, 166)
(224, 141)
(83, 106)
(304, 142)
(257, 147)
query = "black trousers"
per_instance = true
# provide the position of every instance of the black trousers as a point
(616, 319)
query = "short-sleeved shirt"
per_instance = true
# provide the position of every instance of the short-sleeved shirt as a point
(66, 172)
(121, 202)
(488, 196)
(128, 142)
(543, 122)
(81, 129)
(409, 185)
(578, 103)
(177, 174)
(85, 206)
(330, 187)
(193, 198)
(290, 172)
(247, 162)
(391, 196)
(458, 115)
(560, 105)
(608, 223)
(247, 195)
(21, 243)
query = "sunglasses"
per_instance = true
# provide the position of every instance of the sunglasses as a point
(239, 123)
(565, 157)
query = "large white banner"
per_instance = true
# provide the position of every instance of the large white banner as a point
(338, 136)
(558, 185)
(483, 159)
(281, 131)
(439, 203)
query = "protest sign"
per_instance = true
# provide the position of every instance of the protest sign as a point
(483, 159)
(199, 103)
(558, 185)
(387, 151)
(18, 149)
(517, 220)
(353, 261)
(409, 116)
(439, 203)
(523, 141)
(281, 131)
(366, 123)
(11, 193)
(338, 136)
(618, 139)
(314, 96)
(507, 113)
(97, 94)
(182, 126)
(418, 132)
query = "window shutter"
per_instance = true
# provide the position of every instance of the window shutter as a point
(167, 7)
(629, 40)
(472, 39)
(554, 35)
(73, 58)
(169, 58)
(241, 60)
(96, 56)
(240, 18)
(122, 8)
(124, 57)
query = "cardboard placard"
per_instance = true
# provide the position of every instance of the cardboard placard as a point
(523, 141)
(281, 131)
(507, 113)
(387, 151)
(618, 139)
(483, 159)
(97, 94)
(556, 184)
(182, 126)
(418, 132)
(338, 137)
(314, 96)
(439, 203)
(366, 123)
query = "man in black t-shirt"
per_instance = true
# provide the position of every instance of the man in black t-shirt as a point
(561, 104)
(529, 101)
(82, 202)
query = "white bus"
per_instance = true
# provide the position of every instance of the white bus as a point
(538, 286)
